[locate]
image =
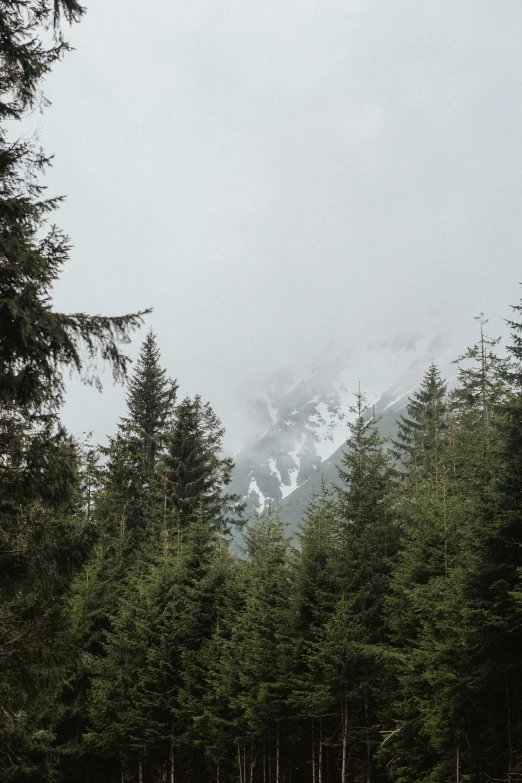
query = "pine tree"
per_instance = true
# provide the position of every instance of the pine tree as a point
(195, 470)
(482, 385)
(352, 656)
(123, 732)
(313, 600)
(134, 488)
(422, 433)
(150, 404)
(44, 537)
(262, 651)
(127, 510)
(431, 611)
(491, 581)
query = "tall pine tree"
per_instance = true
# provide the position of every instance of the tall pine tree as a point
(196, 472)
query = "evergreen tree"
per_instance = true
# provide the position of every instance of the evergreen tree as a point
(433, 614)
(491, 583)
(262, 652)
(482, 383)
(128, 511)
(350, 657)
(124, 733)
(422, 433)
(428, 509)
(196, 471)
(218, 724)
(134, 489)
(150, 404)
(313, 600)
(44, 538)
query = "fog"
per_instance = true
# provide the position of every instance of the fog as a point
(270, 175)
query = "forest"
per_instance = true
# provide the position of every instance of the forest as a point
(150, 633)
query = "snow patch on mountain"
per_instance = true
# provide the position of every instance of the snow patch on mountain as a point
(274, 469)
(255, 493)
(301, 413)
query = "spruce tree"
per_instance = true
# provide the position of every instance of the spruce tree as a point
(218, 724)
(127, 510)
(44, 536)
(196, 471)
(262, 652)
(422, 433)
(491, 585)
(134, 488)
(350, 655)
(431, 611)
(123, 732)
(482, 380)
(150, 404)
(313, 600)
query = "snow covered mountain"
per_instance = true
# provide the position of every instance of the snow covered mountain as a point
(302, 412)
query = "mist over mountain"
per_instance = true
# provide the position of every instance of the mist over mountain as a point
(300, 413)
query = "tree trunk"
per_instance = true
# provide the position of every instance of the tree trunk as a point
(510, 743)
(344, 723)
(327, 764)
(165, 532)
(172, 761)
(140, 770)
(313, 752)
(368, 743)
(239, 763)
(278, 778)
(458, 763)
(269, 754)
(320, 760)
(217, 773)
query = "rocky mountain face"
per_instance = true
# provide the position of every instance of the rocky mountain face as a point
(301, 413)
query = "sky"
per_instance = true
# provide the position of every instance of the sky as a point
(270, 175)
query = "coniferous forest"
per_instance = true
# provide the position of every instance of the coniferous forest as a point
(150, 633)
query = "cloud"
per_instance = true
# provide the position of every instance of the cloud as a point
(267, 175)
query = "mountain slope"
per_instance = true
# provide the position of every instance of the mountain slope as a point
(303, 412)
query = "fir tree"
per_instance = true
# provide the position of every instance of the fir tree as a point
(44, 538)
(196, 472)
(134, 489)
(353, 639)
(262, 647)
(127, 510)
(482, 386)
(150, 403)
(432, 612)
(313, 600)
(422, 433)
(491, 580)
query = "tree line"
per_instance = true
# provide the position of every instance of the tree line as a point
(138, 644)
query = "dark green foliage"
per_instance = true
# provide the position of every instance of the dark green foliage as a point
(150, 403)
(385, 647)
(262, 645)
(26, 59)
(44, 533)
(483, 388)
(196, 472)
(355, 637)
(134, 488)
(422, 433)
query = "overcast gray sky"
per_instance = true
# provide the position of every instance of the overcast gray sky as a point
(269, 174)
